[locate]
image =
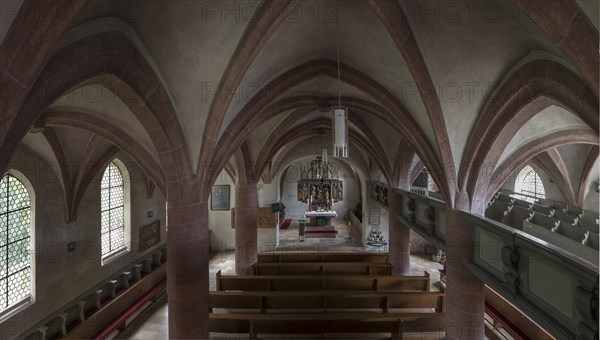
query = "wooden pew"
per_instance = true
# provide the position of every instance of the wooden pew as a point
(522, 203)
(541, 209)
(322, 268)
(321, 323)
(589, 224)
(496, 210)
(544, 221)
(505, 198)
(516, 216)
(277, 257)
(327, 300)
(566, 217)
(567, 237)
(380, 283)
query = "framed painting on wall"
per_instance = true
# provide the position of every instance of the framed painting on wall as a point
(149, 235)
(219, 198)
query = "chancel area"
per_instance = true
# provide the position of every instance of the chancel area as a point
(299, 169)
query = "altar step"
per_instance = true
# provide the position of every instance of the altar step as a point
(321, 230)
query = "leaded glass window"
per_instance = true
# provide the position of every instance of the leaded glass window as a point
(112, 211)
(15, 235)
(532, 184)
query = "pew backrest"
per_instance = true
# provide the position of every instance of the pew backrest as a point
(328, 300)
(381, 283)
(322, 257)
(322, 268)
(315, 323)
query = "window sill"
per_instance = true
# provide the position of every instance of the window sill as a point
(113, 256)
(16, 309)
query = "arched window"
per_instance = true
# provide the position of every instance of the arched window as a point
(113, 213)
(15, 244)
(529, 183)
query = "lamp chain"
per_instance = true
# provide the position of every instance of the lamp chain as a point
(337, 42)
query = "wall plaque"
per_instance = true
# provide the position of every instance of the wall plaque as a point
(374, 216)
(149, 235)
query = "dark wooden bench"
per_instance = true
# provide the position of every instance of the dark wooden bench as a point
(321, 323)
(322, 257)
(381, 283)
(322, 268)
(328, 300)
(143, 302)
(116, 312)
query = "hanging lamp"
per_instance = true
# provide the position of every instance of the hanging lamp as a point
(340, 114)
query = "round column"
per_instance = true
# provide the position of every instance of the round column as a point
(399, 236)
(246, 206)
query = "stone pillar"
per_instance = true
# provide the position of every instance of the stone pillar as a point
(187, 271)
(399, 237)
(246, 206)
(465, 301)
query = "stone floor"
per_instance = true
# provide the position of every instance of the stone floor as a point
(156, 324)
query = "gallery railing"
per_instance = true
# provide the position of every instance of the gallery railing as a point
(555, 288)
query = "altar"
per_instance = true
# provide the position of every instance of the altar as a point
(320, 188)
(320, 218)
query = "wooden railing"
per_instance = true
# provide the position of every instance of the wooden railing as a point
(354, 221)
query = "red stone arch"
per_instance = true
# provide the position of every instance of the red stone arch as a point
(533, 148)
(84, 62)
(586, 175)
(114, 135)
(261, 107)
(309, 103)
(570, 29)
(270, 14)
(392, 17)
(287, 148)
(308, 130)
(111, 60)
(282, 131)
(532, 88)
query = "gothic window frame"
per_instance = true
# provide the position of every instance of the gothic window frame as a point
(105, 212)
(527, 178)
(10, 308)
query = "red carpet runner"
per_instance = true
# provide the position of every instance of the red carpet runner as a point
(285, 224)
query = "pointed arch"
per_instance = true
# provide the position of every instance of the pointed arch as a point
(526, 92)
(63, 177)
(261, 107)
(112, 134)
(569, 28)
(586, 175)
(392, 16)
(531, 149)
(559, 181)
(123, 70)
(268, 17)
